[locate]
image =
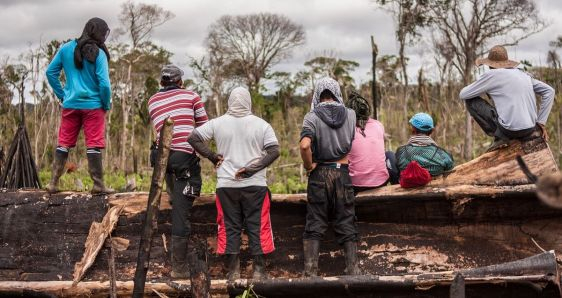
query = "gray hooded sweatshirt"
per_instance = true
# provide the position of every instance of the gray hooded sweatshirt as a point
(330, 125)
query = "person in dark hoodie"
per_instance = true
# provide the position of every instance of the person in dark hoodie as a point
(85, 98)
(326, 138)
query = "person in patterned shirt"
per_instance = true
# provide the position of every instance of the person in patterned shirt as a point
(183, 173)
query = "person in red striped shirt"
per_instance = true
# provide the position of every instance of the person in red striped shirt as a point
(183, 173)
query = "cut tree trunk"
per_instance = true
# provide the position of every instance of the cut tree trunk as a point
(150, 223)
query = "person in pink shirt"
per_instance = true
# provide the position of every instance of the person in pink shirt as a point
(369, 165)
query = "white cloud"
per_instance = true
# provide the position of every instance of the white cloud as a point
(342, 26)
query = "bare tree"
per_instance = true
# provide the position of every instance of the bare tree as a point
(553, 59)
(552, 56)
(17, 75)
(467, 26)
(557, 43)
(410, 16)
(253, 43)
(138, 21)
(214, 76)
(6, 97)
(339, 69)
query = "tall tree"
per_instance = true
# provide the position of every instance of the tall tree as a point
(138, 22)
(6, 97)
(410, 16)
(334, 67)
(552, 57)
(17, 76)
(215, 76)
(253, 43)
(287, 85)
(468, 26)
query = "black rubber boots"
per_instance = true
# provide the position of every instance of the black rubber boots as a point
(180, 268)
(311, 250)
(95, 167)
(350, 252)
(58, 170)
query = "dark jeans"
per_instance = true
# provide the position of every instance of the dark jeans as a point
(487, 118)
(330, 197)
(392, 167)
(246, 207)
(183, 175)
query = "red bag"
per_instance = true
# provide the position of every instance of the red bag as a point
(414, 175)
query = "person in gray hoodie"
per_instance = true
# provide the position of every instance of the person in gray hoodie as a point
(326, 138)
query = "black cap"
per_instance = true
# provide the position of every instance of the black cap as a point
(171, 73)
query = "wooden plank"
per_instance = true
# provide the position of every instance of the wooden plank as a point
(96, 238)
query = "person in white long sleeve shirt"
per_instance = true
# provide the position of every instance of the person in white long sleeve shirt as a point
(513, 92)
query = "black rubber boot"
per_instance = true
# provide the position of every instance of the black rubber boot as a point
(350, 251)
(179, 258)
(233, 265)
(311, 250)
(95, 167)
(497, 144)
(259, 268)
(57, 172)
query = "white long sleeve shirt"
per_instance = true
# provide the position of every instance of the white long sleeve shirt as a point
(513, 92)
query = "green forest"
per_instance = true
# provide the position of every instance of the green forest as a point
(244, 50)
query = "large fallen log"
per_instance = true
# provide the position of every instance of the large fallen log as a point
(500, 167)
(536, 276)
(43, 236)
(83, 289)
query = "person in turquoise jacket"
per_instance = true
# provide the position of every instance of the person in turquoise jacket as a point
(85, 98)
(423, 149)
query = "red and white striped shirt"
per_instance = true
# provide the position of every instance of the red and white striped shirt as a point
(184, 107)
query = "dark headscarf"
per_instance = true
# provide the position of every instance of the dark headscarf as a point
(92, 39)
(362, 110)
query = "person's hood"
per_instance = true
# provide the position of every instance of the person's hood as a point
(239, 102)
(332, 113)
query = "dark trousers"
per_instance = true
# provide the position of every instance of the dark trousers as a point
(183, 178)
(487, 118)
(330, 198)
(244, 207)
(392, 167)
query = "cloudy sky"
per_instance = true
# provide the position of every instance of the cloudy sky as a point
(341, 26)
